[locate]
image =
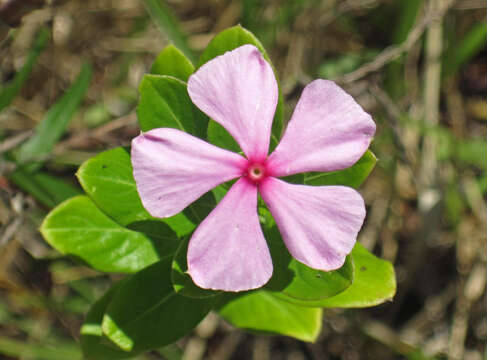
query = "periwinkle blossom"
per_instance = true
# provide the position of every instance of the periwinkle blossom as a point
(328, 131)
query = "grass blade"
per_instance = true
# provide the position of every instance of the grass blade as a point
(52, 127)
(9, 92)
(164, 19)
(465, 49)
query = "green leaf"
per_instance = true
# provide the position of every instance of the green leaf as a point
(47, 189)
(374, 282)
(167, 24)
(146, 313)
(311, 284)
(78, 228)
(9, 92)
(164, 102)
(231, 39)
(200, 209)
(108, 179)
(181, 280)
(217, 135)
(91, 340)
(171, 61)
(52, 127)
(262, 311)
(354, 176)
(297, 283)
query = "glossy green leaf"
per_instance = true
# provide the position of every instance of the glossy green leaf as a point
(373, 284)
(93, 345)
(311, 284)
(200, 209)
(164, 102)
(229, 39)
(146, 313)
(108, 179)
(78, 228)
(47, 189)
(217, 135)
(354, 176)
(261, 311)
(171, 61)
(181, 280)
(53, 125)
(297, 283)
(10, 91)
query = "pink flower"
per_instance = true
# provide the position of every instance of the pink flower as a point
(319, 224)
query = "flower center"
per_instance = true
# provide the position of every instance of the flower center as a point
(256, 172)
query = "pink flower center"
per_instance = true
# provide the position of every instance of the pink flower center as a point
(256, 172)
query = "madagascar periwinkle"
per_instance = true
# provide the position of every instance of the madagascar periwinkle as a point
(231, 215)
(328, 131)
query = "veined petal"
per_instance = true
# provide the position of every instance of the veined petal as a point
(328, 131)
(239, 91)
(319, 224)
(228, 250)
(172, 169)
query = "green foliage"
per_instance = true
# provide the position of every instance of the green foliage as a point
(171, 61)
(407, 12)
(9, 92)
(47, 189)
(146, 313)
(108, 179)
(297, 283)
(353, 176)
(473, 152)
(228, 40)
(111, 231)
(164, 102)
(51, 351)
(374, 282)
(261, 311)
(217, 135)
(91, 340)
(465, 49)
(181, 280)
(78, 228)
(52, 127)
(165, 21)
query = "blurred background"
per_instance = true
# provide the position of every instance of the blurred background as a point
(419, 67)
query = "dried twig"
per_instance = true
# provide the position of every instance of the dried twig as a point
(15, 140)
(393, 52)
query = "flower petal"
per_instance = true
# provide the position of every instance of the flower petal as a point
(228, 250)
(328, 131)
(239, 90)
(172, 169)
(319, 224)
